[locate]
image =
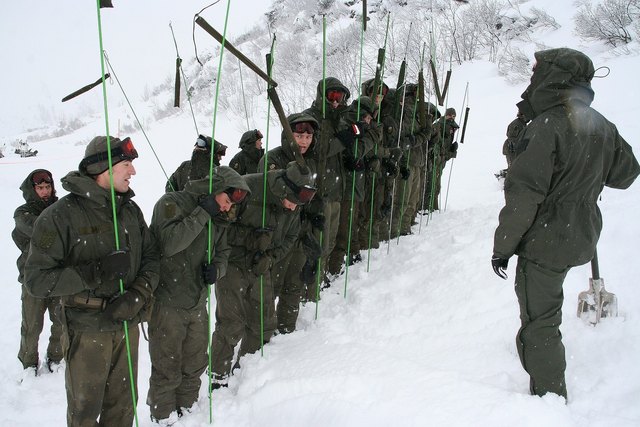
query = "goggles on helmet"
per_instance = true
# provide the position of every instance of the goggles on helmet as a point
(124, 151)
(303, 127)
(41, 177)
(201, 142)
(236, 195)
(335, 95)
(258, 134)
(304, 194)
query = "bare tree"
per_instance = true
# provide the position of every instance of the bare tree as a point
(608, 21)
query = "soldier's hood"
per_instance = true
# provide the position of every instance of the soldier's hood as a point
(330, 83)
(86, 187)
(248, 139)
(29, 192)
(286, 145)
(224, 178)
(561, 77)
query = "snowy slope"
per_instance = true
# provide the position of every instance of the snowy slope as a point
(426, 336)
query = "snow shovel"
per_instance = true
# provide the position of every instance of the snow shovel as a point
(596, 302)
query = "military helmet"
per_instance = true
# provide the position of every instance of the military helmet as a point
(96, 156)
(299, 182)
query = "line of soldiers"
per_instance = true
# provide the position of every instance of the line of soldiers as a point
(265, 239)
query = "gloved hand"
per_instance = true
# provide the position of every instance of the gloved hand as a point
(454, 147)
(352, 164)
(262, 238)
(261, 263)
(389, 168)
(116, 265)
(209, 273)
(499, 266)
(127, 305)
(209, 204)
(347, 137)
(317, 221)
(309, 272)
(361, 126)
(311, 247)
(404, 172)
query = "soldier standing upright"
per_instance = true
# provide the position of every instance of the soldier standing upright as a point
(199, 165)
(442, 148)
(179, 324)
(327, 110)
(551, 218)
(77, 253)
(298, 267)
(39, 192)
(246, 161)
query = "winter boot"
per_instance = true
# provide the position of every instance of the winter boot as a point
(169, 421)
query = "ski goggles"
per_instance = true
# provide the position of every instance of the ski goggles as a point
(124, 151)
(335, 95)
(236, 195)
(303, 194)
(201, 142)
(41, 178)
(303, 127)
(258, 134)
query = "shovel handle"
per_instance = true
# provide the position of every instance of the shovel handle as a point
(595, 271)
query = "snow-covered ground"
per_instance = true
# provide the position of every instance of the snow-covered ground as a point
(426, 337)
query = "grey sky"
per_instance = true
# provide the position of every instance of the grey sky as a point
(51, 48)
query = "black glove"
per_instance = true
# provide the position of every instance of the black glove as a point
(353, 164)
(309, 272)
(454, 147)
(347, 137)
(116, 265)
(209, 273)
(311, 247)
(262, 238)
(499, 266)
(209, 204)
(404, 172)
(317, 221)
(261, 263)
(389, 168)
(127, 305)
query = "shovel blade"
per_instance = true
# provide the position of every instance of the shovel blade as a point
(609, 304)
(587, 308)
(597, 303)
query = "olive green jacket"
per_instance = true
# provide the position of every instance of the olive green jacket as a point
(246, 161)
(415, 149)
(442, 138)
(278, 159)
(283, 224)
(570, 153)
(79, 229)
(181, 228)
(25, 216)
(332, 175)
